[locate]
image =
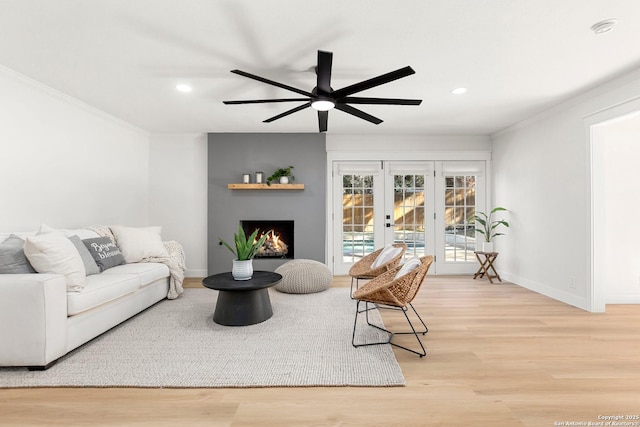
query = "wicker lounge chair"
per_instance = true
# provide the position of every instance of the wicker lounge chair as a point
(363, 270)
(388, 292)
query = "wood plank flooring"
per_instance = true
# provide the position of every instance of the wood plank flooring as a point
(498, 355)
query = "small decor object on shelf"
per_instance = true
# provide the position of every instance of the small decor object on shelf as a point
(488, 227)
(282, 173)
(245, 250)
(259, 177)
(246, 178)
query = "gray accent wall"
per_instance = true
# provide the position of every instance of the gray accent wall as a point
(231, 155)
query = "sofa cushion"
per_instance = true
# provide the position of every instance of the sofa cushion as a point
(101, 289)
(54, 253)
(104, 252)
(137, 244)
(148, 272)
(87, 259)
(12, 257)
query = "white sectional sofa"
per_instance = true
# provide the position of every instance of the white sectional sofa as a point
(42, 318)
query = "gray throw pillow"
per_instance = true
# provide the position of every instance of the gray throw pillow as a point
(87, 259)
(12, 257)
(104, 252)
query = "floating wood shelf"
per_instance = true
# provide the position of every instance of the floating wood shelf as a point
(265, 187)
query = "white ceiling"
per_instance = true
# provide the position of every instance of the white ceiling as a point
(516, 57)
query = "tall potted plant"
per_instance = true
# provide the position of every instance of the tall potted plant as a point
(245, 250)
(489, 227)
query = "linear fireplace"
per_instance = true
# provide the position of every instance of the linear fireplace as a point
(279, 243)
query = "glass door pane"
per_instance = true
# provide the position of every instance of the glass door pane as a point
(460, 191)
(409, 213)
(409, 209)
(357, 208)
(460, 205)
(357, 217)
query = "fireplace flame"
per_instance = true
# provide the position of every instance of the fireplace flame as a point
(273, 246)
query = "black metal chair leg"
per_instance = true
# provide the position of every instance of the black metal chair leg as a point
(415, 334)
(391, 333)
(355, 323)
(421, 321)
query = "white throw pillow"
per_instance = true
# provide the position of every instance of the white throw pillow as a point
(386, 255)
(54, 253)
(408, 267)
(137, 244)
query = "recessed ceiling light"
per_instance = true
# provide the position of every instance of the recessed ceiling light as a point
(603, 26)
(183, 88)
(459, 91)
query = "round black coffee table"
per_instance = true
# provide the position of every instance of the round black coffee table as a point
(242, 302)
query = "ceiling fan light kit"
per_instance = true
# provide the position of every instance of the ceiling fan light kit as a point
(323, 105)
(323, 98)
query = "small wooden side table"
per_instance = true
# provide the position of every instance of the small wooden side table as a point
(486, 260)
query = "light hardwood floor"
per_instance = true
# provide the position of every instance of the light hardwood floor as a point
(498, 355)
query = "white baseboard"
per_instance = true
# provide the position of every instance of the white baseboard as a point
(557, 294)
(196, 273)
(623, 298)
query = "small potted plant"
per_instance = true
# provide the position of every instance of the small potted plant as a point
(245, 250)
(282, 175)
(489, 227)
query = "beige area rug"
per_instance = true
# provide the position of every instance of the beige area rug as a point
(175, 343)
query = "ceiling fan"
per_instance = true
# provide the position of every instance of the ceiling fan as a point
(323, 98)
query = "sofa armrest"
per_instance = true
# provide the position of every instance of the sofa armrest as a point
(33, 319)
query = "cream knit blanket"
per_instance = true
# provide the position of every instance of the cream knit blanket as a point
(175, 261)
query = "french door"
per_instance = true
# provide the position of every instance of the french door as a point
(424, 205)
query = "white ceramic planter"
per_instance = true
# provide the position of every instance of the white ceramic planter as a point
(242, 270)
(487, 246)
(284, 180)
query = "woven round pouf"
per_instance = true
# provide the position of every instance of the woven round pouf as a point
(304, 276)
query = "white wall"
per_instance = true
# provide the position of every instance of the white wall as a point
(66, 164)
(178, 194)
(541, 172)
(622, 204)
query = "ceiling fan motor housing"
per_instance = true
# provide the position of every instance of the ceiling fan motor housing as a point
(323, 98)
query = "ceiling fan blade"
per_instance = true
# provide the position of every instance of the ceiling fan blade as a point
(322, 120)
(325, 60)
(358, 113)
(379, 101)
(271, 82)
(286, 113)
(262, 101)
(376, 81)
